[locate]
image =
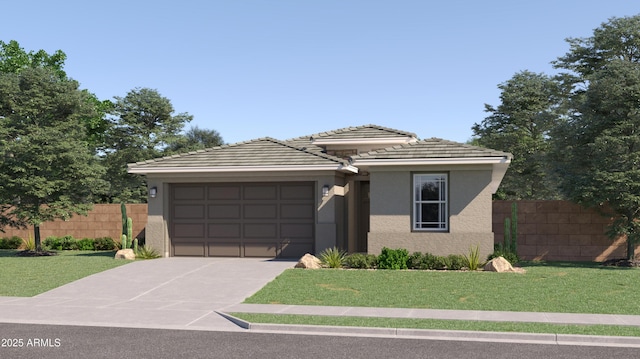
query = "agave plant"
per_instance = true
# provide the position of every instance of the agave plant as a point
(333, 257)
(473, 259)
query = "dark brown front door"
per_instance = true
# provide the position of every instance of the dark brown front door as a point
(363, 213)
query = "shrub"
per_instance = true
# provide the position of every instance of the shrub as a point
(499, 251)
(61, 243)
(455, 262)
(10, 242)
(104, 244)
(361, 261)
(333, 257)
(393, 258)
(145, 252)
(472, 261)
(29, 244)
(414, 260)
(85, 244)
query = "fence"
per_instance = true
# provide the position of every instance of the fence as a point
(105, 220)
(559, 230)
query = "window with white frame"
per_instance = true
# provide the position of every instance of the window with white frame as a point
(430, 202)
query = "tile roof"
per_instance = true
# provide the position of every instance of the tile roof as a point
(365, 131)
(259, 152)
(431, 148)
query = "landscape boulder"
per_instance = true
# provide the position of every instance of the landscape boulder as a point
(501, 265)
(309, 261)
(125, 254)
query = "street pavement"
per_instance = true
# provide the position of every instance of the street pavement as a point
(198, 294)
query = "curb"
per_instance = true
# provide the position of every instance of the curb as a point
(434, 334)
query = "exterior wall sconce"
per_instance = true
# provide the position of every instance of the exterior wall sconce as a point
(325, 191)
(153, 192)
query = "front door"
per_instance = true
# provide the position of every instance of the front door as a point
(362, 213)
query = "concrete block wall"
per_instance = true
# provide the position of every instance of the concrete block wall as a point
(105, 220)
(559, 230)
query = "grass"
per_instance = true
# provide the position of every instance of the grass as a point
(605, 330)
(29, 276)
(546, 287)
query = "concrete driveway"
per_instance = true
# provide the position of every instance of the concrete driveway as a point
(169, 293)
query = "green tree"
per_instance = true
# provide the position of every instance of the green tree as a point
(521, 124)
(143, 128)
(196, 139)
(14, 59)
(598, 147)
(47, 168)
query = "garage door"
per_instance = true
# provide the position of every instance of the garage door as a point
(242, 219)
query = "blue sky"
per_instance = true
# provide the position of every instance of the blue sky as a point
(286, 68)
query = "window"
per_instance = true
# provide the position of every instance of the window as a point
(430, 209)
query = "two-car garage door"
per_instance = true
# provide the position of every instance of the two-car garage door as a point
(242, 219)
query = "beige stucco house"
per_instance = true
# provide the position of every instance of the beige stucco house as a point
(358, 188)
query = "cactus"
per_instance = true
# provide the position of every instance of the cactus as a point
(510, 244)
(123, 241)
(135, 245)
(129, 230)
(507, 235)
(123, 209)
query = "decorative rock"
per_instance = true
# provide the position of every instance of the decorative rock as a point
(309, 261)
(501, 265)
(125, 254)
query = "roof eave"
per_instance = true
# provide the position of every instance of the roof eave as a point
(227, 169)
(431, 161)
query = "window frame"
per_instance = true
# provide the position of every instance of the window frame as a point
(417, 201)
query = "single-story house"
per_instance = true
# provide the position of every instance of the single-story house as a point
(357, 188)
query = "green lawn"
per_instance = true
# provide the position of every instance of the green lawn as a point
(29, 276)
(609, 330)
(546, 287)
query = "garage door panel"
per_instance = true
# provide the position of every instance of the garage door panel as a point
(260, 249)
(224, 230)
(183, 211)
(188, 193)
(260, 211)
(189, 249)
(297, 211)
(228, 249)
(188, 230)
(303, 192)
(260, 230)
(224, 211)
(224, 192)
(292, 230)
(260, 192)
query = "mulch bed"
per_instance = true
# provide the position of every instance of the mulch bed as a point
(36, 253)
(621, 263)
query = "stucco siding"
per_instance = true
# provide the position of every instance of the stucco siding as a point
(469, 212)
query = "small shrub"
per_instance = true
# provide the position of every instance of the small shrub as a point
(104, 244)
(145, 252)
(393, 258)
(85, 244)
(415, 260)
(472, 261)
(500, 251)
(333, 257)
(29, 244)
(361, 261)
(53, 242)
(69, 243)
(455, 262)
(10, 242)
